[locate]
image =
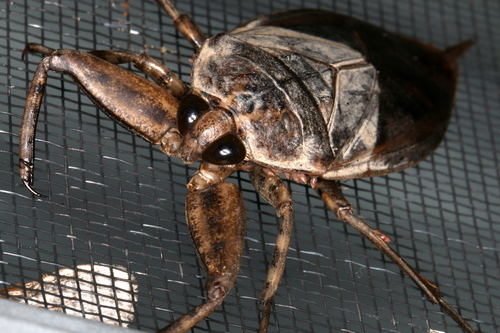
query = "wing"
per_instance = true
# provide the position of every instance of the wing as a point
(417, 85)
(302, 103)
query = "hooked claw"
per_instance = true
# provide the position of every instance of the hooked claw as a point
(28, 185)
(26, 172)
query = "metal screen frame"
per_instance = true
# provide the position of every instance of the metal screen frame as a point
(116, 200)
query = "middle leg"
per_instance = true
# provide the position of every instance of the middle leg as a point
(274, 190)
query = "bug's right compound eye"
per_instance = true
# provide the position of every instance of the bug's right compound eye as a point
(190, 109)
(226, 150)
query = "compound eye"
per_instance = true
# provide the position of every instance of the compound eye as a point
(225, 150)
(190, 109)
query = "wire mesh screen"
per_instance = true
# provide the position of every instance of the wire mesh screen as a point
(113, 199)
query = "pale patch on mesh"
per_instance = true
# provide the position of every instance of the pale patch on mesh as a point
(95, 292)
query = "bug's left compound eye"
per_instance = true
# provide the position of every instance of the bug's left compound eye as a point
(190, 109)
(224, 151)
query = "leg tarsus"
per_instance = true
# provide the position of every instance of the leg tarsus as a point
(334, 199)
(193, 317)
(265, 315)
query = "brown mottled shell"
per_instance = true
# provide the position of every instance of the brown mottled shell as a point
(328, 95)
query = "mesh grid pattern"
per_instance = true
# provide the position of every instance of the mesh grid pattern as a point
(114, 199)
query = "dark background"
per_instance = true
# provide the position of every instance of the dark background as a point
(114, 199)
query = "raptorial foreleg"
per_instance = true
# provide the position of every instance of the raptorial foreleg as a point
(136, 103)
